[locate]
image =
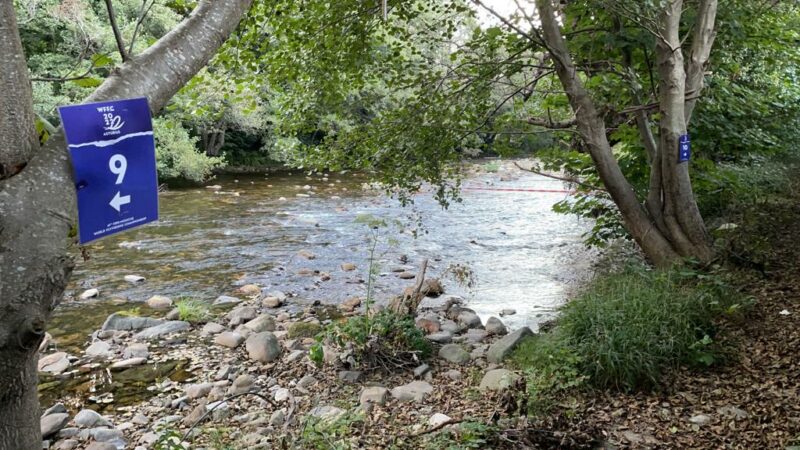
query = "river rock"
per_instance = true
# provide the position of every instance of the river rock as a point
(327, 413)
(454, 375)
(475, 335)
(212, 328)
(263, 347)
(432, 287)
(441, 303)
(119, 322)
(230, 339)
(99, 349)
(226, 300)
(454, 353)
(442, 337)
(67, 444)
(507, 312)
(242, 384)
(306, 254)
(264, 322)
(348, 267)
(54, 363)
(406, 275)
(271, 302)
(101, 446)
(89, 293)
(281, 395)
(159, 302)
(306, 382)
(250, 290)
(416, 391)
(196, 414)
(58, 408)
(421, 370)
(134, 278)
(468, 319)
(350, 376)
(106, 434)
(277, 418)
(503, 347)
(438, 419)
(428, 325)
(450, 326)
(136, 350)
(87, 418)
(498, 380)
(172, 326)
(195, 391)
(241, 315)
(127, 363)
(51, 423)
(350, 304)
(495, 326)
(375, 395)
(700, 419)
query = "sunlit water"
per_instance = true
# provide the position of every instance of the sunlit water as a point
(209, 242)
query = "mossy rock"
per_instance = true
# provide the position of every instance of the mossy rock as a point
(304, 330)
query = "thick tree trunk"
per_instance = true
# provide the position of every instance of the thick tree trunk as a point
(37, 206)
(592, 129)
(212, 141)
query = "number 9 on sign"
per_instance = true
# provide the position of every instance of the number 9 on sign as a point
(118, 165)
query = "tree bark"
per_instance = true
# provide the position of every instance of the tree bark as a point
(37, 205)
(17, 120)
(593, 131)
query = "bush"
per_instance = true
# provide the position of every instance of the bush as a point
(192, 311)
(384, 341)
(627, 328)
(177, 157)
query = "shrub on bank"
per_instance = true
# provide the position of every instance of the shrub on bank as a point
(627, 328)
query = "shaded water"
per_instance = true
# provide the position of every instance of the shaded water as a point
(209, 242)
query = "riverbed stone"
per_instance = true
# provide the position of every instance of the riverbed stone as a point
(454, 353)
(51, 423)
(54, 363)
(428, 325)
(495, 326)
(507, 312)
(212, 328)
(271, 302)
(242, 384)
(106, 434)
(55, 409)
(415, 391)
(442, 337)
(134, 278)
(348, 267)
(99, 349)
(159, 302)
(136, 350)
(67, 444)
(230, 339)
(264, 322)
(128, 363)
(101, 446)
(226, 300)
(120, 322)
(263, 347)
(374, 395)
(241, 315)
(468, 319)
(450, 326)
(498, 380)
(306, 254)
(172, 326)
(327, 413)
(250, 290)
(503, 347)
(88, 418)
(438, 419)
(277, 418)
(198, 390)
(306, 382)
(475, 335)
(350, 304)
(89, 293)
(350, 376)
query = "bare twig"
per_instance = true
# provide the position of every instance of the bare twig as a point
(551, 124)
(117, 35)
(556, 177)
(142, 14)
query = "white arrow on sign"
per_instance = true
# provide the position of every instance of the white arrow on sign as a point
(119, 200)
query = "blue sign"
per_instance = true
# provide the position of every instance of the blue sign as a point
(114, 159)
(685, 150)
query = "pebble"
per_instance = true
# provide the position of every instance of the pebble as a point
(89, 293)
(230, 339)
(134, 278)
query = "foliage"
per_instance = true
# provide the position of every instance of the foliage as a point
(191, 310)
(327, 434)
(169, 439)
(176, 153)
(551, 368)
(303, 330)
(468, 434)
(384, 341)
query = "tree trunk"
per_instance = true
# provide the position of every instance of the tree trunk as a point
(37, 205)
(669, 225)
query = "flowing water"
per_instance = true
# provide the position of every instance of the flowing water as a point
(208, 242)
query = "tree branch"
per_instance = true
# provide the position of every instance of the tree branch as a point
(556, 177)
(702, 41)
(549, 123)
(142, 14)
(117, 35)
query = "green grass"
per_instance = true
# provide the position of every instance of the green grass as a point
(191, 310)
(627, 329)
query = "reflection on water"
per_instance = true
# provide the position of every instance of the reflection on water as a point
(208, 242)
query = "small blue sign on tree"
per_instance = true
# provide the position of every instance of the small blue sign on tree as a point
(685, 148)
(114, 159)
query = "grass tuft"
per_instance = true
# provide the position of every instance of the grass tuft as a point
(191, 310)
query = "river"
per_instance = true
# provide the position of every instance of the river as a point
(251, 228)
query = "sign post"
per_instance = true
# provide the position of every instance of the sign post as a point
(114, 159)
(685, 150)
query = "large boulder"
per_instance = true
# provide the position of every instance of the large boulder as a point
(99, 349)
(87, 418)
(121, 322)
(263, 347)
(495, 326)
(51, 423)
(454, 353)
(503, 347)
(173, 326)
(54, 363)
(264, 322)
(241, 315)
(137, 350)
(498, 380)
(416, 391)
